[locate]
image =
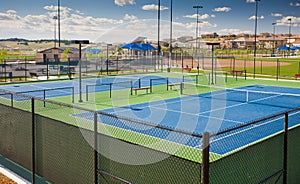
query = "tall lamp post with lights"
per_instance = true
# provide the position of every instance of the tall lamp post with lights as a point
(158, 33)
(197, 28)
(54, 18)
(255, 35)
(58, 18)
(273, 52)
(290, 27)
(171, 35)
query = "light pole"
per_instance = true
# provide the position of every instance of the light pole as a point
(256, 8)
(158, 33)
(58, 17)
(273, 53)
(290, 25)
(171, 34)
(196, 47)
(55, 18)
(80, 80)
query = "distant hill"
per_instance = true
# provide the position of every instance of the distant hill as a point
(22, 40)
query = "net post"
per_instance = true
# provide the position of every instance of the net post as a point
(87, 92)
(73, 94)
(110, 90)
(226, 75)
(285, 147)
(139, 82)
(12, 100)
(150, 85)
(181, 88)
(197, 78)
(131, 86)
(245, 71)
(44, 91)
(167, 84)
(208, 78)
(95, 147)
(205, 158)
(183, 78)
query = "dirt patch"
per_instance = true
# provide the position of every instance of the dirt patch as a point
(6, 180)
(206, 64)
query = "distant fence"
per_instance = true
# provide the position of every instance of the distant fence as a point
(47, 142)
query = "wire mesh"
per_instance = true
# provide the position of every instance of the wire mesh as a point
(64, 151)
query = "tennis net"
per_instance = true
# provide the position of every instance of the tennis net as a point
(270, 98)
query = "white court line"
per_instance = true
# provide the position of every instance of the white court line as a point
(253, 127)
(187, 113)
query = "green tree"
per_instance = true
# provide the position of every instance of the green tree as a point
(3, 55)
(65, 54)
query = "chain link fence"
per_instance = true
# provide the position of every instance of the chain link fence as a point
(62, 143)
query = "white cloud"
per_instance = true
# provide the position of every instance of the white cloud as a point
(222, 9)
(202, 24)
(295, 4)
(79, 12)
(153, 7)
(202, 17)
(130, 17)
(124, 2)
(73, 24)
(54, 8)
(11, 12)
(9, 15)
(250, 1)
(276, 14)
(284, 21)
(232, 31)
(253, 17)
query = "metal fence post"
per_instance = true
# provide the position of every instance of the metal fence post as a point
(205, 158)
(33, 140)
(95, 147)
(285, 147)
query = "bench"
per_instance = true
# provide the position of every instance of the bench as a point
(33, 74)
(173, 84)
(297, 76)
(236, 72)
(141, 88)
(187, 69)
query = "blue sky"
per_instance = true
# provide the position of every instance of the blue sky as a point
(123, 20)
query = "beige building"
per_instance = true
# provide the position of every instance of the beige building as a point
(58, 54)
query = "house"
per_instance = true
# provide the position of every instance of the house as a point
(242, 43)
(58, 54)
(272, 42)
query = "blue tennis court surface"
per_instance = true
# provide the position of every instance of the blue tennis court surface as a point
(209, 112)
(100, 84)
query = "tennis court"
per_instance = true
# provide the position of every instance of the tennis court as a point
(213, 112)
(93, 85)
